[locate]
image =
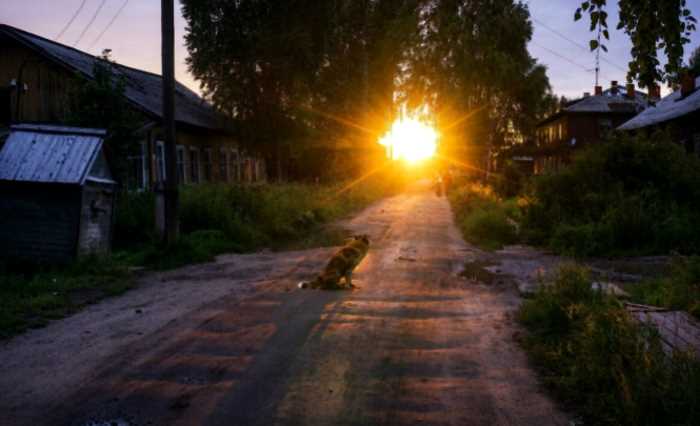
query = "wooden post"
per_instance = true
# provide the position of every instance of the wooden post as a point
(168, 62)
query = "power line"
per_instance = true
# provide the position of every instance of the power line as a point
(559, 55)
(70, 22)
(569, 60)
(576, 43)
(89, 24)
(114, 18)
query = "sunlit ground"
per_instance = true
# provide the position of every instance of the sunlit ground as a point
(411, 140)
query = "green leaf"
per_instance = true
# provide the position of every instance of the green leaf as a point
(593, 44)
(602, 46)
(585, 5)
(577, 15)
(606, 34)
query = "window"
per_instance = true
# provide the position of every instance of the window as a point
(206, 164)
(180, 164)
(160, 161)
(223, 165)
(137, 172)
(194, 165)
(5, 106)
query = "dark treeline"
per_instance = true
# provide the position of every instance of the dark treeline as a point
(313, 82)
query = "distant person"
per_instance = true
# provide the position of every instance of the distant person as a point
(437, 182)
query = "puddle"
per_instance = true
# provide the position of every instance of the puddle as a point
(476, 271)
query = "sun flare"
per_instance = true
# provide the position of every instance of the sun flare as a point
(411, 140)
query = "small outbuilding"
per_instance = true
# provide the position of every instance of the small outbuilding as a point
(56, 194)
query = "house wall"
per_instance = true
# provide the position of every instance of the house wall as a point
(39, 222)
(202, 156)
(573, 131)
(41, 88)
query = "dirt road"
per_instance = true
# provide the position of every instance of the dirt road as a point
(416, 344)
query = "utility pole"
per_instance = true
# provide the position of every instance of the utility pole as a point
(168, 62)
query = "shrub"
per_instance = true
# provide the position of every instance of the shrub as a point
(613, 369)
(483, 218)
(134, 222)
(630, 195)
(217, 218)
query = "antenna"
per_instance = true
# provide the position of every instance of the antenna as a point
(597, 58)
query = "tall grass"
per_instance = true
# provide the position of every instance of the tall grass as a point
(218, 218)
(610, 368)
(484, 218)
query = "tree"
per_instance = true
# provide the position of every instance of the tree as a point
(100, 102)
(296, 72)
(470, 63)
(651, 25)
(332, 75)
(694, 63)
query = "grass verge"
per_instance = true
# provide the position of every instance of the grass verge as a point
(30, 296)
(598, 360)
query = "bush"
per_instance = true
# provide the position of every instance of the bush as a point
(134, 222)
(218, 218)
(613, 369)
(630, 195)
(483, 218)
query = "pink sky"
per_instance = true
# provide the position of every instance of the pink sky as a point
(135, 37)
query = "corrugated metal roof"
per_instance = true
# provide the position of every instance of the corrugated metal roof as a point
(668, 108)
(142, 88)
(49, 154)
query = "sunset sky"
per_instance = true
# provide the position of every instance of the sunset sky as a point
(134, 37)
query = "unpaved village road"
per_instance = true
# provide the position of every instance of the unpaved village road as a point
(416, 344)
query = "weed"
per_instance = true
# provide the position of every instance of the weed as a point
(597, 358)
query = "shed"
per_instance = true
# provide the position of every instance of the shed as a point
(56, 194)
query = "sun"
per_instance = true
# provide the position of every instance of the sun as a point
(411, 140)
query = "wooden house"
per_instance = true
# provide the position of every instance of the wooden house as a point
(56, 194)
(36, 79)
(679, 113)
(584, 121)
